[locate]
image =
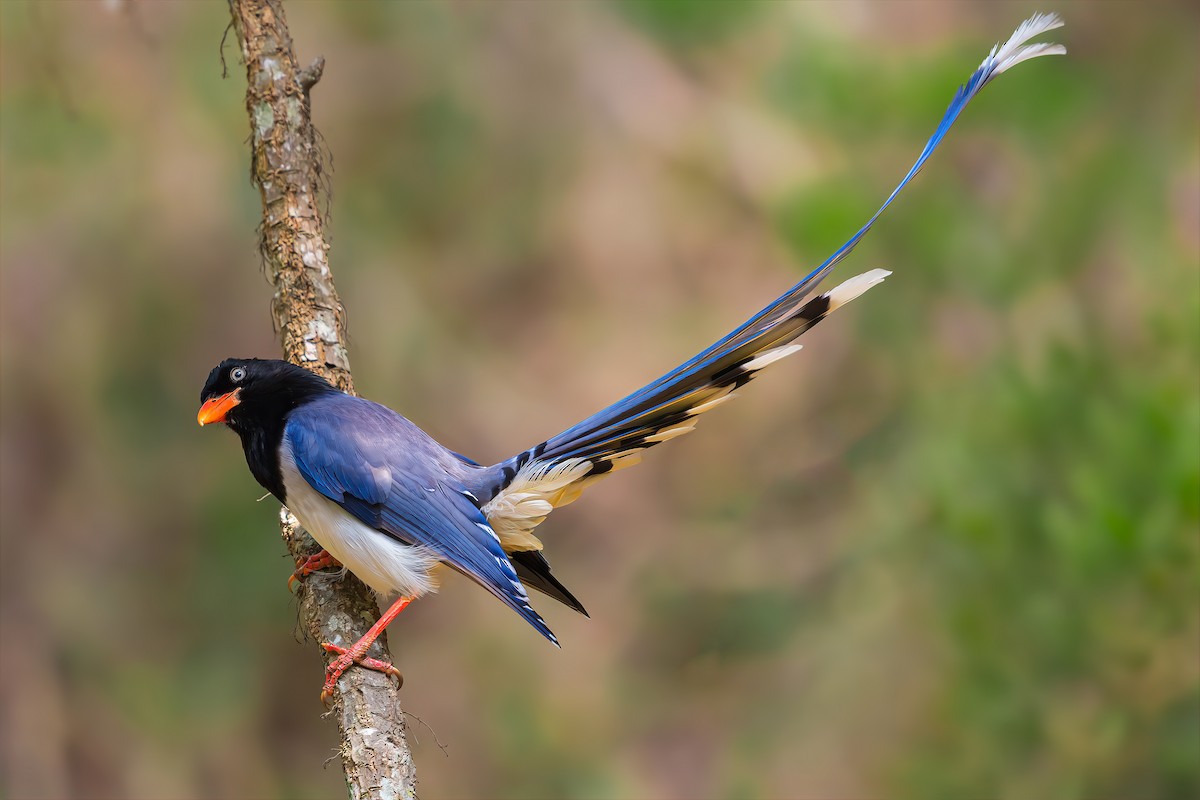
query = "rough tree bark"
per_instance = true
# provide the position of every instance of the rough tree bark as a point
(286, 165)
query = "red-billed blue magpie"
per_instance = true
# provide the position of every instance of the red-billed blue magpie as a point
(391, 504)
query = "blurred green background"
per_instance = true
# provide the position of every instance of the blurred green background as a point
(949, 551)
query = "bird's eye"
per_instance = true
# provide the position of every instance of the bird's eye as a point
(237, 374)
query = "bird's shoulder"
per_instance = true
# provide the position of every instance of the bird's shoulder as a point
(347, 441)
(356, 421)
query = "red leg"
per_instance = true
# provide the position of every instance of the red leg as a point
(355, 654)
(311, 565)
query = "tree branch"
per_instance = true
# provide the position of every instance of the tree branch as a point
(286, 166)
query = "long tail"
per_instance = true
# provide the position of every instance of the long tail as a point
(521, 491)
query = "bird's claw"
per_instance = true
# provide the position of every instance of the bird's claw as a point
(345, 658)
(311, 565)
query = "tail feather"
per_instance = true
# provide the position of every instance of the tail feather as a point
(534, 571)
(521, 491)
(557, 471)
(669, 412)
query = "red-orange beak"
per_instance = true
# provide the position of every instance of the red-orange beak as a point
(215, 408)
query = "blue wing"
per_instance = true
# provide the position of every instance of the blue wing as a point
(387, 473)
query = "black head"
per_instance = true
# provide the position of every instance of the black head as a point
(249, 393)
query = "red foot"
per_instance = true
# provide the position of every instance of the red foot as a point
(311, 565)
(357, 653)
(343, 662)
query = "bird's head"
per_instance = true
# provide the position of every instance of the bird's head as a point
(248, 392)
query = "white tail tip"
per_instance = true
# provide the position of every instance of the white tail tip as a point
(1014, 51)
(847, 290)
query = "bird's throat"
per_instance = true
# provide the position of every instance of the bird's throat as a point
(261, 445)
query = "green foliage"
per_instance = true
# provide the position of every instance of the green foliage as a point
(1058, 545)
(690, 23)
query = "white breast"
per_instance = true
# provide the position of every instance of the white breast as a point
(386, 565)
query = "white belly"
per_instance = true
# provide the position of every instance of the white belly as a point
(386, 565)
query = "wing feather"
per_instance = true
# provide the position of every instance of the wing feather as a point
(353, 452)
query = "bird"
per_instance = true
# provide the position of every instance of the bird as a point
(391, 504)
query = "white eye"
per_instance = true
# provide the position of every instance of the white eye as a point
(237, 374)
